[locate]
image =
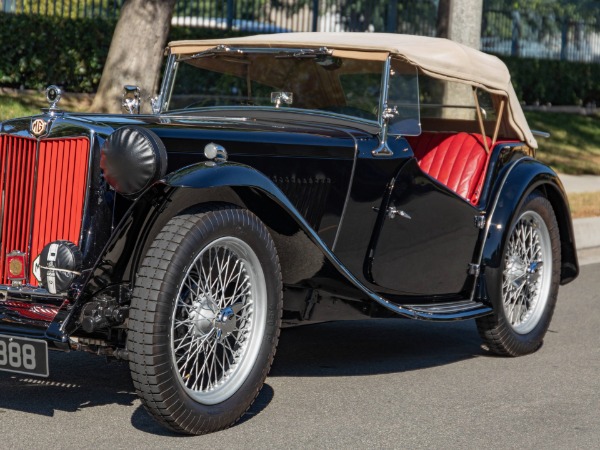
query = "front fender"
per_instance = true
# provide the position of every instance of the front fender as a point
(193, 185)
(514, 185)
(199, 184)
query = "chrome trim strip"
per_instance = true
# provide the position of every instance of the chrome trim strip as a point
(309, 112)
(382, 149)
(89, 188)
(167, 84)
(2, 190)
(540, 133)
(28, 291)
(451, 311)
(490, 215)
(347, 200)
(385, 87)
(32, 215)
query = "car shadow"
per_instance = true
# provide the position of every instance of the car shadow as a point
(76, 381)
(79, 380)
(371, 347)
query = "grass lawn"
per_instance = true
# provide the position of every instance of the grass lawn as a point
(574, 144)
(28, 103)
(584, 204)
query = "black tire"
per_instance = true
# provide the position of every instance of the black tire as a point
(526, 291)
(199, 351)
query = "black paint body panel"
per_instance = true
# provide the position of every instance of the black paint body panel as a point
(323, 195)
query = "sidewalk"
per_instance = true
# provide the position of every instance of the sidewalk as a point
(580, 183)
(587, 230)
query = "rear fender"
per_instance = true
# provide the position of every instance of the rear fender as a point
(514, 184)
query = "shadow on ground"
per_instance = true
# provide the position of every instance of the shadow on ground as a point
(76, 381)
(373, 347)
(79, 380)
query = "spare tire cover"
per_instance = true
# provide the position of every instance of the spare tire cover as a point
(132, 159)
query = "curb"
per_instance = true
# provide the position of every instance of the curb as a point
(587, 232)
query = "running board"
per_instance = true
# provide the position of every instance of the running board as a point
(460, 310)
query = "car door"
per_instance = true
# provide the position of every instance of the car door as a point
(425, 237)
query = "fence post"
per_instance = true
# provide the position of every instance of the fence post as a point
(229, 14)
(564, 40)
(515, 49)
(315, 17)
(9, 6)
(392, 17)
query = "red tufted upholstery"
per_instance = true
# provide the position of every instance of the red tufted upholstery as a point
(457, 160)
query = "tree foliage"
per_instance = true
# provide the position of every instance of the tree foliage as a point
(73, 8)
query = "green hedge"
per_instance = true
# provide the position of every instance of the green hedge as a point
(555, 82)
(38, 51)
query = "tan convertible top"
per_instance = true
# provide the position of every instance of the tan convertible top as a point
(439, 58)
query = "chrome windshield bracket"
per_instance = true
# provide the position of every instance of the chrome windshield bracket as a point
(480, 221)
(474, 269)
(218, 50)
(307, 53)
(131, 99)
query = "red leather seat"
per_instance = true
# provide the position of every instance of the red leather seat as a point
(457, 160)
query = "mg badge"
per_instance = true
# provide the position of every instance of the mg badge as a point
(38, 127)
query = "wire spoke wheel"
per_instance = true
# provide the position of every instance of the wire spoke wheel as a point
(204, 319)
(527, 272)
(524, 288)
(218, 320)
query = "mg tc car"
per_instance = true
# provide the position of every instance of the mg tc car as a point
(278, 180)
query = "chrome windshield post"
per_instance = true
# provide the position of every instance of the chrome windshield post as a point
(384, 112)
(161, 103)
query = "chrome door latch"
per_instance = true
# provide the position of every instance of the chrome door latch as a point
(392, 212)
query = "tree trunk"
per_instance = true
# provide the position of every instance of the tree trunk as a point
(443, 15)
(135, 53)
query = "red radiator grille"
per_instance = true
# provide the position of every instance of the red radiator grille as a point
(58, 200)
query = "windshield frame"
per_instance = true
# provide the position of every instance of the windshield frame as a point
(173, 61)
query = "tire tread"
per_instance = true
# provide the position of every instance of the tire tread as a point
(145, 355)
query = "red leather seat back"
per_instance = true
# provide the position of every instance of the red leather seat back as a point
(457, 160)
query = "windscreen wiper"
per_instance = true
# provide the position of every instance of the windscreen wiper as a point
(306, 53)
(218, 50)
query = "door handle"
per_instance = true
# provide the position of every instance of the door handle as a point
(392, 212)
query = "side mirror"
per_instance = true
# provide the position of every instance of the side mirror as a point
(131, 99)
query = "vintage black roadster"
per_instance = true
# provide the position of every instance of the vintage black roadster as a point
(280, 179)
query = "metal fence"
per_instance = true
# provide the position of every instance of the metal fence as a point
(404, 16)
(542, 35)
(504, 31)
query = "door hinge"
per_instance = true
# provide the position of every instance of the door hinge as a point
(480, 221)
(474, 269)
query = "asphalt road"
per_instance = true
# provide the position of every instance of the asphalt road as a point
(368, 384)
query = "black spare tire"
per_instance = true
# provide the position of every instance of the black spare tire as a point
(132, 159)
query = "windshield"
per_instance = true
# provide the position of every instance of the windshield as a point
(300, 81)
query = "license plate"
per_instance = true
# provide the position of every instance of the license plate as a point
(23, 355)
